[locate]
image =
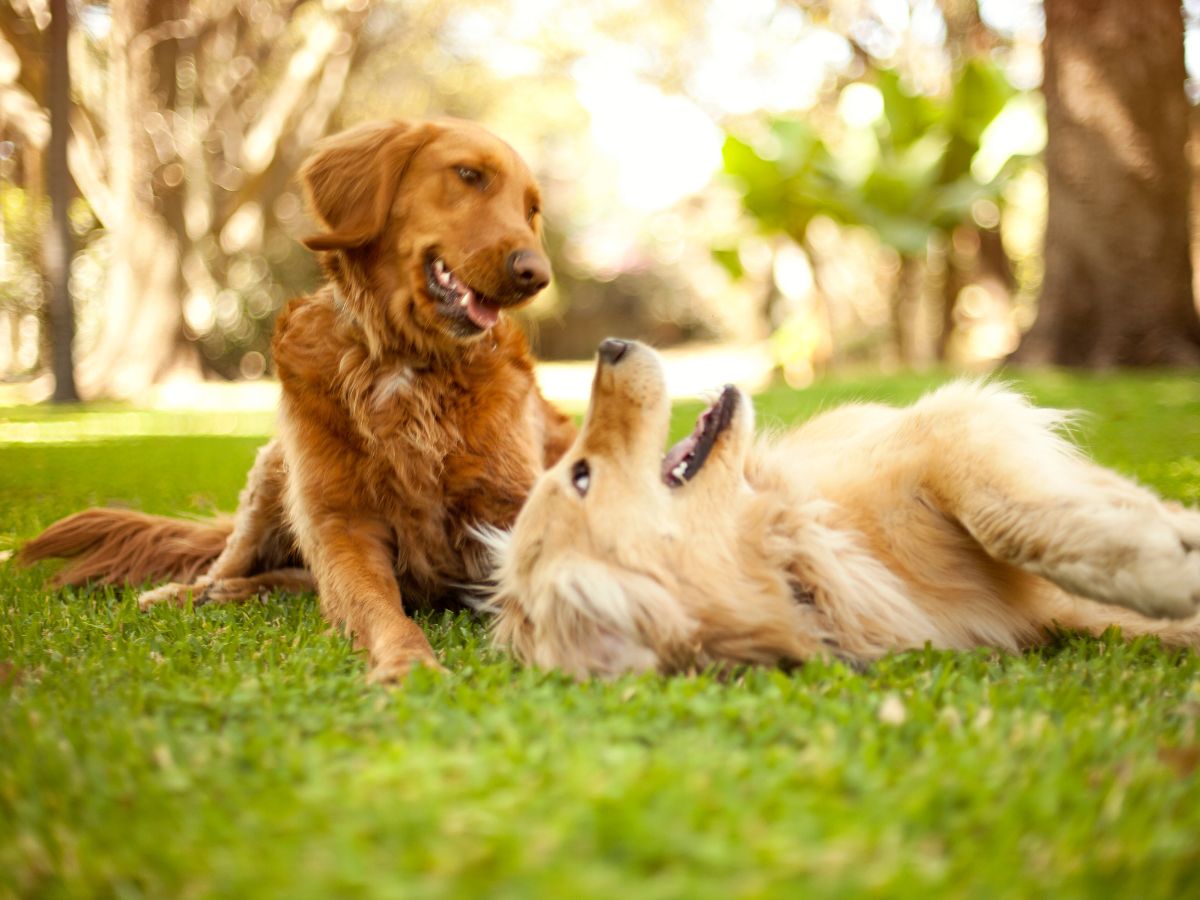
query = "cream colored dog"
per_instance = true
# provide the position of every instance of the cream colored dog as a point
(962, 521)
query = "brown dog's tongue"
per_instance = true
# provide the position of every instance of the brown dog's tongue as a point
(482, 314)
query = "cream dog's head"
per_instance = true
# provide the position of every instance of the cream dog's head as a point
(615, 559)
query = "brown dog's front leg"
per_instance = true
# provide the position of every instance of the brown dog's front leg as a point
(358, 591)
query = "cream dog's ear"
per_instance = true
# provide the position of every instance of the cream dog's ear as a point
(351, 179)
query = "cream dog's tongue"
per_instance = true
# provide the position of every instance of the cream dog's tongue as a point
(482, 314)
(674, 464)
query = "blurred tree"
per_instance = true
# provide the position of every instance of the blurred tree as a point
(209, 106)
(57, 245)
(23, 76)
(1118, 283)
(25, 132)
(192, 117)
(966, 35)
(141, 335)
(906, 175)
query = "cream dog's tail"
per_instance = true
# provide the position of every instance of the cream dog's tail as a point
(120, 546)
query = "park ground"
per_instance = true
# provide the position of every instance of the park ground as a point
(238, 751)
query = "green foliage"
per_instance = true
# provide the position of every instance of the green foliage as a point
(24, 217)
(783, 188)
(905, 176)
(238, 752)
(21, 224)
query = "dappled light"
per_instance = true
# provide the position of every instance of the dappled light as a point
(599, 448)
(834, 183)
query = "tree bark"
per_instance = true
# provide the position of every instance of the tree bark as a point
(1118, 280)
(906, 308)
(954, 279)
(142, 339)
(57, 244)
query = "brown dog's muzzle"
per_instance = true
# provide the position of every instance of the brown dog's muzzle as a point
(528, 271)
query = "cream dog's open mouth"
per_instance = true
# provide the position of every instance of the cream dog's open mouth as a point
(457, 299)
(687, 457)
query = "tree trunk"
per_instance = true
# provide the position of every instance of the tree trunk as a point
(954, 279)
(1118, 280)
(906, 310)
(141, 339)
(57, 243)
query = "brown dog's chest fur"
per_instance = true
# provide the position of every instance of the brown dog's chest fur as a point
(425, 449)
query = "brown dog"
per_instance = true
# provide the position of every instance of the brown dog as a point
(410, 415)
(963, 521)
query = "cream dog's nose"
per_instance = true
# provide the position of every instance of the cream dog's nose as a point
(611, 350)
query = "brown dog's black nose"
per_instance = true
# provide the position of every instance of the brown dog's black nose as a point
(611, 350)
(529, 271)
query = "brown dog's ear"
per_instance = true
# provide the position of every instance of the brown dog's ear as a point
(351, 179)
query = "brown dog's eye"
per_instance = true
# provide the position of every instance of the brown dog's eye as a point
(581, 477)
(533, 211)
(470, 176)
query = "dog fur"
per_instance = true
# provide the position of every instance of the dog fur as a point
(409, 416)
(965, 520)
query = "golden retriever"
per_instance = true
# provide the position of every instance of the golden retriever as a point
(409, 413)
(962, 521)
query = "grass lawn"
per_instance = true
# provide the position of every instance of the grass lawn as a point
(237, 752)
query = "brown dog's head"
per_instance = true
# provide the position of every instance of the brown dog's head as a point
(431, 228)
(605, 565)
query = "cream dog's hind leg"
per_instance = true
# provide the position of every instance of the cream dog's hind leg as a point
(1109, 544)
(1031, 501)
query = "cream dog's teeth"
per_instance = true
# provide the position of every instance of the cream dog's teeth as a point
(466, 298)
(679, 470)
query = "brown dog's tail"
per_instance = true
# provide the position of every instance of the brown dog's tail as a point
(120, 546)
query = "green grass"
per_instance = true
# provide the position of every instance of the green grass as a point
(238, 752)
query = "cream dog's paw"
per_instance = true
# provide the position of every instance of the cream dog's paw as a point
(1186, 522)
(1163, 579)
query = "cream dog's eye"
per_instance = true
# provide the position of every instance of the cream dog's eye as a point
(581, 477)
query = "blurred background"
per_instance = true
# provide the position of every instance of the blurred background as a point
(819, 184)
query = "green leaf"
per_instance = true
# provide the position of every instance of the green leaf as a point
(909, 117)
(907, 235)
(729, 260)
(759, 180)
(978, 95)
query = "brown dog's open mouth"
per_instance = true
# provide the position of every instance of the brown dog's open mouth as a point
(686, 458)
(458, 300)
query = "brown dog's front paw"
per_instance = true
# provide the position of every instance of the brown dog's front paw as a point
(396, 669)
